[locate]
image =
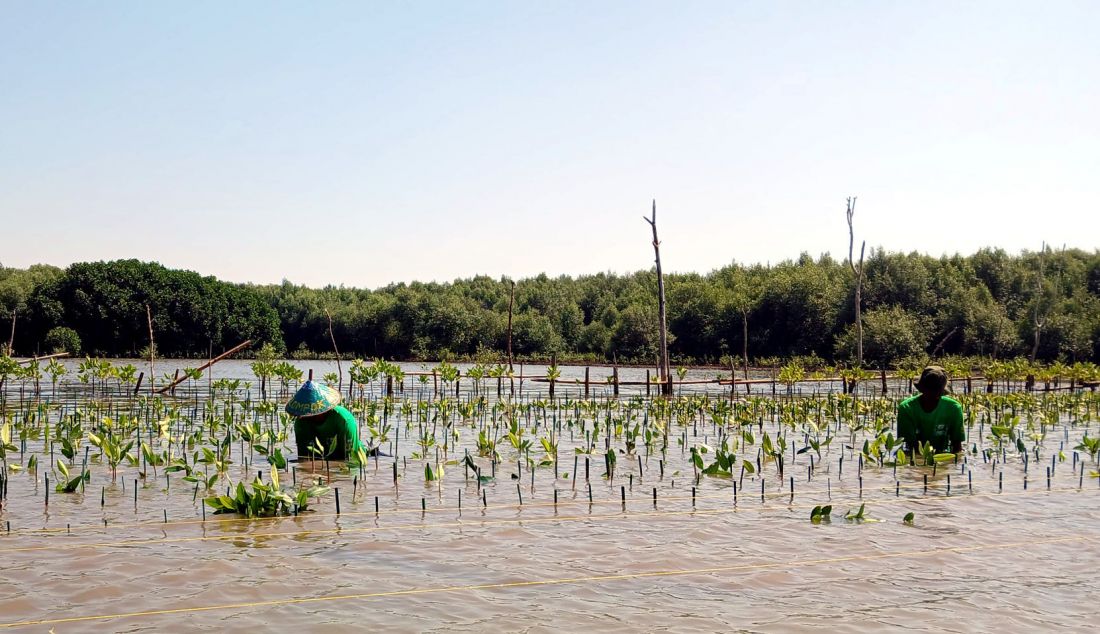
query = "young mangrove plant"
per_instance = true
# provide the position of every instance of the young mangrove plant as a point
(265, 499)
(821, 514)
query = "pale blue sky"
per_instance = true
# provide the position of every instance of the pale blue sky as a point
(359, 144)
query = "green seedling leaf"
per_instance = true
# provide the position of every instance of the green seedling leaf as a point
(941, 458)
(908, 519)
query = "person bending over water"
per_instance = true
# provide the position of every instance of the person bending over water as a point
(319, 417)
(931, 416)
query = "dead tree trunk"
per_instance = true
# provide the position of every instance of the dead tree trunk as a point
(666, 378)
(745, 344)
(1037, 320)
(11, 339)
(339, 368)
(857, 271)
(152, 350)
(511, 374)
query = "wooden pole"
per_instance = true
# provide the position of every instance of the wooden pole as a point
(206, 365)
(858, 273)
(11, 339)
(511, 302)
(57, 355)
(733, 379)
(339, 368)
(665, 377)
(152, 347)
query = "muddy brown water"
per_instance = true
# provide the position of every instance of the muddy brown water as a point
(990, 555)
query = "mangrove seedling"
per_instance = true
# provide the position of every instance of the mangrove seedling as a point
(859, 515)
(68, 484)
(821, 513)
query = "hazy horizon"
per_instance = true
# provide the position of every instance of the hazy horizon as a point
(362, 145)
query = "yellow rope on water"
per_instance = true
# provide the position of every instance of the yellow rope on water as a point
(744, 494)
(551, 582)
(506, 521)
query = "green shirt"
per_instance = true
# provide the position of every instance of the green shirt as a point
(337, 423)
(942, 426)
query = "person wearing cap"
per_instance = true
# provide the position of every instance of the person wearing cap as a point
(319, 418)
(931, 416)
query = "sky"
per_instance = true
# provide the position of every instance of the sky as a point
(365, 143)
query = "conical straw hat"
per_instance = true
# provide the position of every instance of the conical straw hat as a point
(312, 399)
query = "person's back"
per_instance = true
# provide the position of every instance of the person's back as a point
(321, 420)
(943, 426)
(931, 416)
(336, 430)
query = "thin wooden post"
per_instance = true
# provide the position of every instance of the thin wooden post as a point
(733, 379)
(586, 381)
(152, 346)
(511, 302)
(665, 376)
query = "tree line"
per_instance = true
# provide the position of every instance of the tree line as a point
(1043, 304)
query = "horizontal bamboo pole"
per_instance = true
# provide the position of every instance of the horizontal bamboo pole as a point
(57, 355)
(209, 363)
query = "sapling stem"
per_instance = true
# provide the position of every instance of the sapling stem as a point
(692, 497)
(376, 505)
(1000, 481)
(337, 491)
(622, 491)
(761, 490)
(926, 484)
(655, 497)
(949, 484)
(519, 493)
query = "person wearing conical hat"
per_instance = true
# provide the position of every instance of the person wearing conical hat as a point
(319, 417)
(931, 416)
